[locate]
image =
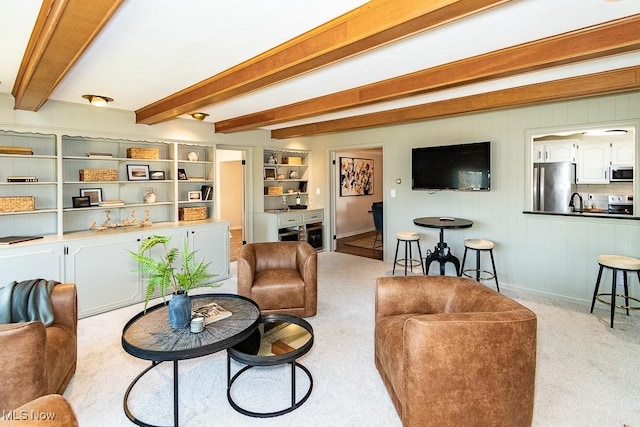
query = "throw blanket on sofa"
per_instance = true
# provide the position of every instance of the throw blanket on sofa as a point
(27, 301)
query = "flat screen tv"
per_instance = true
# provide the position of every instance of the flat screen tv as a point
(464, 167)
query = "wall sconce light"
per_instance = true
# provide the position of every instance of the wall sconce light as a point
(199, 116)
(97, 100)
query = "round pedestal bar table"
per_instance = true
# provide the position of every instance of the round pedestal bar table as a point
(441, 252)
(149, 336)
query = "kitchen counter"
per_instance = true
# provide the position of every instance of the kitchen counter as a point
(591, 213)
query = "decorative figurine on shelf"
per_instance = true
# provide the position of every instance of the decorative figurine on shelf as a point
(146, 221)
(193, 156)
(272, 160)
(149, 196)
(293, 175)
(298, 199)
(131, 221)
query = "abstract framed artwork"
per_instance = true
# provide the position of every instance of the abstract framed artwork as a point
(356, 176)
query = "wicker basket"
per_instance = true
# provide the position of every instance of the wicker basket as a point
(296, 161)
(192, 214)
(17, 203)
(143, 153)
(98, 174)
(273, 191)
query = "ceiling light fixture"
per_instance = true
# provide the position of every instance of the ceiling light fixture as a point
(603, 132)
(97, 100)
(199, 116)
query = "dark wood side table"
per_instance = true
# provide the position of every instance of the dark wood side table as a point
(441, 253)
(149, 336)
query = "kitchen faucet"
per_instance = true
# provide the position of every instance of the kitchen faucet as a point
(573, 209)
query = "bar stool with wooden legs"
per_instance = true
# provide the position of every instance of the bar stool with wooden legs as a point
(616, 263)
(479, 245)
(408, 237)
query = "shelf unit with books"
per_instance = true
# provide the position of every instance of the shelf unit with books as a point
(28, 183)
(121, 172)
(195, 178)
(285, 176)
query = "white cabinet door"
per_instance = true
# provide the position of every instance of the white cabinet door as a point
(554, 151)
(593, 162)
(623, 153)
(104, 273)
(41, 261)
(212, 243)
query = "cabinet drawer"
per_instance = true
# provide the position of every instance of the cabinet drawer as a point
(287, 219)
(313, 216)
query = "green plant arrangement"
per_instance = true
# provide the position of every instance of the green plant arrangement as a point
(162, 275)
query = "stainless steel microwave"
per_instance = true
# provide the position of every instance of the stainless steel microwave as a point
(621, 174)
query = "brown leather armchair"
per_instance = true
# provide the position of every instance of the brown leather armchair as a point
(39, 360)
(52, 410)
(281, 277)
(451, 351)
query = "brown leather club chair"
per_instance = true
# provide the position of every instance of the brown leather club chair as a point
(39, 360)
(451, 351)
(53, 410)
(281, 277)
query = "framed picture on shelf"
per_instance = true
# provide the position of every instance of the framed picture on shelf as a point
(195, 195)
(270, 172)
(94, 195)
(182, 175)
(81, 202)
(157, 175)
(138, 172)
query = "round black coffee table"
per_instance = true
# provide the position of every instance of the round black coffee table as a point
(279, 339)
(149, 336)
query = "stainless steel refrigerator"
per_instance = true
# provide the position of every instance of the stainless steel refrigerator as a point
(553, 184)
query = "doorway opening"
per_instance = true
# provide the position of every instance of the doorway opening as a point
(232, 194)
(356, 186)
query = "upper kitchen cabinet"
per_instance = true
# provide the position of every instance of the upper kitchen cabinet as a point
(554, 151)
(622, 153)
(593, 160)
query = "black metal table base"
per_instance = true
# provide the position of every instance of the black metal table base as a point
(294, 404)
(128, 412)
(441, 254)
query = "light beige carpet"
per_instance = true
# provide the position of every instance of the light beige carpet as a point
(587, 373)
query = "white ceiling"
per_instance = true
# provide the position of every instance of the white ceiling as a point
(152, 49)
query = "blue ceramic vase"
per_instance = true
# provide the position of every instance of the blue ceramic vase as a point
(179, 310)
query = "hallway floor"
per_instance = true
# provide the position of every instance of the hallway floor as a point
(342, 247)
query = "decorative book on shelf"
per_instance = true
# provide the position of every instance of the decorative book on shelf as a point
(111, 203)
(22, 179)
(207, 192)
(5, 149)
(211, 312)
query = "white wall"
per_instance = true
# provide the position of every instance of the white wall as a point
(547, 254)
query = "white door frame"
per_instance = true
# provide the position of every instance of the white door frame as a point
(333, 155)
(246, 151)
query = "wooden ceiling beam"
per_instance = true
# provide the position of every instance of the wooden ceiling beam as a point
(621, 80)
(606, 39)
(371, 25)
(62, 32)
